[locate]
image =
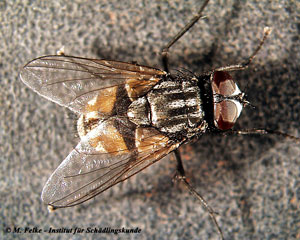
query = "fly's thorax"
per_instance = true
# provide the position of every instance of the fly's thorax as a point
(173, 106)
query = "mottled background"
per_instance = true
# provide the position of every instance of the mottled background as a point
(251, 181)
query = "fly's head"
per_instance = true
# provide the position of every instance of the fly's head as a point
(228, 100)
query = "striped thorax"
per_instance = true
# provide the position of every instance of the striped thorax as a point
(173, 106)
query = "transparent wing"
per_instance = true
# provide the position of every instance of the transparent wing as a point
(87, 172)
(72, 81)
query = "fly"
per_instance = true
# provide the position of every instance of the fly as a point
(131, 116)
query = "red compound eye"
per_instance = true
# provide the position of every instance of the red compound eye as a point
(226, 114)
(227, 111)
(223, 84)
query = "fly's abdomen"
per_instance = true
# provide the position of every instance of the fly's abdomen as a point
(172, 106)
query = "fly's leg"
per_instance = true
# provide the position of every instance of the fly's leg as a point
(245, 64)
(187, 27)
(261, 132)
(181, 177)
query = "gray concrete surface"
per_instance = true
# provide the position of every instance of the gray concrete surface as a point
(252, 182)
